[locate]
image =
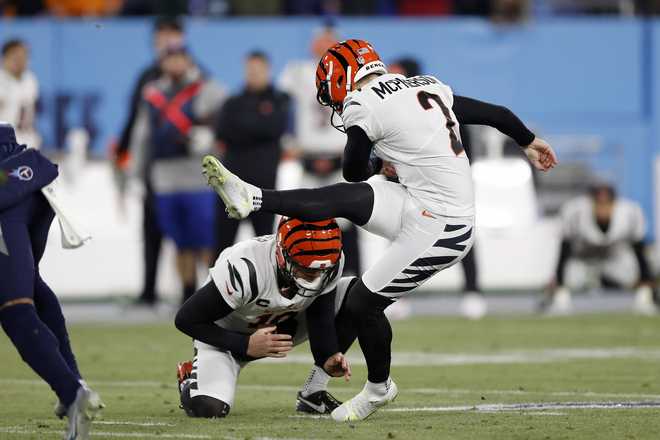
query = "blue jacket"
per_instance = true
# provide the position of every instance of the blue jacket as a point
(23, 172)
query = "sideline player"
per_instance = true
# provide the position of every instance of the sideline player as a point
(30, 313)
(265, 296)
(428, 216)
(603, 235)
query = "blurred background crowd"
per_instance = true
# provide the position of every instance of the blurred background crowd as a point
(244, 90)
(498, 10)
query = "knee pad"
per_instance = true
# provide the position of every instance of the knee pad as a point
(362, 303)
(202, 406)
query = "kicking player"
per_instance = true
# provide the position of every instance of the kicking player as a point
(30, 313)
(428, 217)
(265, 296)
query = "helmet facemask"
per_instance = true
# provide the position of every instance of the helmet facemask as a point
(308, 281)
(324, 98)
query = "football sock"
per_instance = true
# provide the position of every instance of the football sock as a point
(317, 381)
(378, 389)
(375, 337)
(374, 330)
(188, 291)
(470, 271)
(352, 201)
(50, 313)
(257, 199)
(39, 348)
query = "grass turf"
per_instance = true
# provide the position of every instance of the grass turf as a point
(133, 369)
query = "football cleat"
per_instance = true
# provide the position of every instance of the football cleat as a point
(644, 303)
(240, 198)
(183, 373)
(320, 402)
(473, 306)
(82, 411)
(365, 403)
(60, 410)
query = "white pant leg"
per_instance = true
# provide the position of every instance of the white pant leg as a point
(389, 205)
(215, 373)
(422, 243)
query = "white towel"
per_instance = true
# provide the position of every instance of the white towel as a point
(73, 235)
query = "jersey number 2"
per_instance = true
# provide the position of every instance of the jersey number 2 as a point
(425, 99)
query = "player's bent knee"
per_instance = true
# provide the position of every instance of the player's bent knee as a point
(203, 406)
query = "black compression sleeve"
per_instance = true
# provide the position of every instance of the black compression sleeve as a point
(472, 111)
(564, 254)
(644, 271)
(321, 328)
(357, 165)
(197, 317)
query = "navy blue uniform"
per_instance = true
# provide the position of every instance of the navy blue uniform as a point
(30, 313)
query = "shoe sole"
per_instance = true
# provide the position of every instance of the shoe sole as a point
(216, 176)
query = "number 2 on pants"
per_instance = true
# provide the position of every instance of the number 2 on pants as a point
(425, 99)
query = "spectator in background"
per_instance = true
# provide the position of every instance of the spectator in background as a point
(509, 11)
(171, 134)
(318, 145)
(21, 7)
(602, 244)
(473, 305)
(155, 7)
(19, 91)
(80, 8)
(249, 130)
(167, 32)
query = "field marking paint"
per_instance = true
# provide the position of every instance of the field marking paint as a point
(414, 359)
(21, 431)
(429, 391)
(141, 424)
(525, 407)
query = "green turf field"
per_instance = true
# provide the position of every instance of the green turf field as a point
(455, 378)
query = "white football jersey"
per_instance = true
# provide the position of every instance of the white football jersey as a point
(246, 276)
(18, 100)
(579, 224)
(312, 132)
(411, 123)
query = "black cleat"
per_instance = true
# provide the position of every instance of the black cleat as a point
(320, 402)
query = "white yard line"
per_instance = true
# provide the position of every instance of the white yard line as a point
(413, 359)
(429, 390)
(16, 430)
(21, 431)
(141, 424)
(525, 407)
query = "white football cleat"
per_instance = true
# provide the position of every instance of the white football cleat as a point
(82, 411)
(473, 306)
(561, 304)
(365, 403)
(239, 197)
(644, 304)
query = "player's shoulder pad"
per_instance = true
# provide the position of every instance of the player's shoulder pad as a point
(246, 259)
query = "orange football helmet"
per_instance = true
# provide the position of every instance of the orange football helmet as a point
(308, 253)
(341, 67)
